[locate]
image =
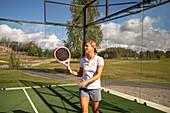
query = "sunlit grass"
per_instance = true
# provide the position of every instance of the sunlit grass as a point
(135, 70)
(16, 78)
(127, 70)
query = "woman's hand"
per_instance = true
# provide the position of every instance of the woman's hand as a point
(82, 84)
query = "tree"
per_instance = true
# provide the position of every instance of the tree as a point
(14, 62)
(75, 34)
(33, 49)
(159, 54)
(48, 53)
(167, 54)
(39, 52)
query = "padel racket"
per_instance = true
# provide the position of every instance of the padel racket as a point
(62, 54)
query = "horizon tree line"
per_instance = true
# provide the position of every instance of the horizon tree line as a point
(33, 49)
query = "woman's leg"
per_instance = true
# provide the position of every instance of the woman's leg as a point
(84, 101)
(95, 105)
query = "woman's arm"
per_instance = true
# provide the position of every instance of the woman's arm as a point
(78, 74)
(97, 76)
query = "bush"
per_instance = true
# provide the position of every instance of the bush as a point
(14, 62)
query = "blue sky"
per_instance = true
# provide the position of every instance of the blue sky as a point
(33, 10)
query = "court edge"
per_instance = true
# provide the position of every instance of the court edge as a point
(139, 100)
(129, 97)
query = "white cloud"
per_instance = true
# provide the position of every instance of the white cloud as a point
(50, 43)
(45, 41)
(129, 35)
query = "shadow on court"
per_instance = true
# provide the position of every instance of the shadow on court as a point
(73, 108)
(17, 111)
(58, 99)
(20, 111)
(110, 107)
(61, 99)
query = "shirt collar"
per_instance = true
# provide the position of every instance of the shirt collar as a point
(86, 58)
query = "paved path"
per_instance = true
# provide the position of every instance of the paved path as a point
(67, 77)
(137, 84)
(53, 75)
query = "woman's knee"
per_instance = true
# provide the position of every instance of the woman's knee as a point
(84, 110)
(95, 110)
(95, 105)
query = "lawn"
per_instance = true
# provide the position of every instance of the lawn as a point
(15, 78)
(127, 70)
(135, 70)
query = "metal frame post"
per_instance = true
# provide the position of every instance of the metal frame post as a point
(84, 28)
(85, 21)
(107, 8)
(44, 11)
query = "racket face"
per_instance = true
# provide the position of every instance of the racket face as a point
(62, 54)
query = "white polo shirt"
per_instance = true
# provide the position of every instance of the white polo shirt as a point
(90, 70)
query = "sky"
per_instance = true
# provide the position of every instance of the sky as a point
(124, 32)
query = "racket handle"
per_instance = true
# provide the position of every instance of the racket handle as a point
(70, 70)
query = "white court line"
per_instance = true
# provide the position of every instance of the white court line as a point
(27, 96)
(39, 86)
(30, 101)
(36, 111)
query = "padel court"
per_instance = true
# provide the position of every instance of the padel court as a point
(133, 38)
(64, 99)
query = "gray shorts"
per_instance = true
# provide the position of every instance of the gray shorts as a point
(93, 94)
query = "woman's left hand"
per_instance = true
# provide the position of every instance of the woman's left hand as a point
(82, 84)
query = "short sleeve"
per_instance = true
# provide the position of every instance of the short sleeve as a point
(81, 62)
(100, 61)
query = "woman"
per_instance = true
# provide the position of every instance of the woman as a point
(91, 67)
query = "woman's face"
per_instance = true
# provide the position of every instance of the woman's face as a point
(88, 48)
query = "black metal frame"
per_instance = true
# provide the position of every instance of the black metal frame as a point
(61, 24)
(45, 19)
(139, 6)
(146, 4)
(116, 15)
(44, 23)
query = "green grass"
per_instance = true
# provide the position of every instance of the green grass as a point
(57, 67)
(133, 70)
(2, 63)
(14, 101)
(13, 78)
(65, 100)
(6, 61)
(127, 70)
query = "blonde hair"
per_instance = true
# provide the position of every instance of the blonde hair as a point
(93, 44)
